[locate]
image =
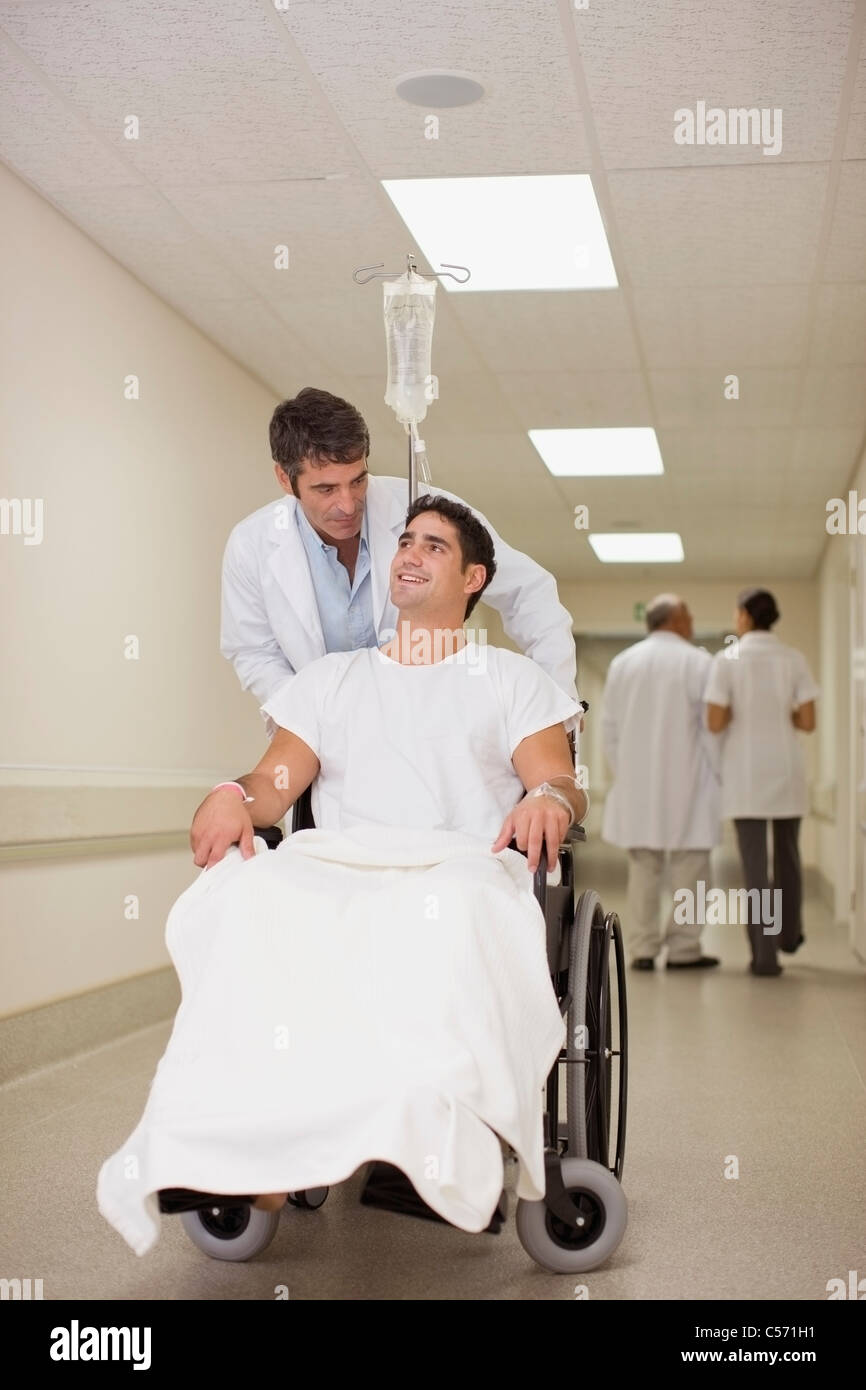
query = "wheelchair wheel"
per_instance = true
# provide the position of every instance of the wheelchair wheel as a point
(580, 1222)
(589, 1049)
(312, 1199)
(231, 1232)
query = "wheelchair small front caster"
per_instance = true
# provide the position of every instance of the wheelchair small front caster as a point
(312, 1199)
(580, 1222)
(229, 1231)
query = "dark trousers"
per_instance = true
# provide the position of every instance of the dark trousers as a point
(752, 838)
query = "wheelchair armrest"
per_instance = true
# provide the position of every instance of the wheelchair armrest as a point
(271, 834)
(574, 835)
(539, 878)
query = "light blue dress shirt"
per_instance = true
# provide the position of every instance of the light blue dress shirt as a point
(345, 609)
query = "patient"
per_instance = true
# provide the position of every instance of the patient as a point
(419, 754)
(415, 732)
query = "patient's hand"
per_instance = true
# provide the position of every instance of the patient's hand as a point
(535, 819)
(221, 820)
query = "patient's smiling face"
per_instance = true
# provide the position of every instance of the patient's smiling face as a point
(427, 573)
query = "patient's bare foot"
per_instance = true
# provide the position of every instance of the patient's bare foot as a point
(271, 1201)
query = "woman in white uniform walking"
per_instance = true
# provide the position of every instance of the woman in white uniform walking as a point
(757, 700)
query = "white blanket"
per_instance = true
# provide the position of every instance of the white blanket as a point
(375, 994)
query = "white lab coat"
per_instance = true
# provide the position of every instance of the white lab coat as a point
(270, 619)
(763, 773)
(665, 793)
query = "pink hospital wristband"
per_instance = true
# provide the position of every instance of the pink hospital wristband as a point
(233, 784)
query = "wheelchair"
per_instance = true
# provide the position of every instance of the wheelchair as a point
(582, 1218)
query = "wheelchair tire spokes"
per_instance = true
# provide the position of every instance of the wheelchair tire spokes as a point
(622, 1037)
(598, 1062)
(580, 1038)
(591, 1089)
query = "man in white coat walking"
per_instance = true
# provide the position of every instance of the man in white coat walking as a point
(665, 794)
(309, 574)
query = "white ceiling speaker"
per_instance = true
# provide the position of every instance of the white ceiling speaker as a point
(439, 87)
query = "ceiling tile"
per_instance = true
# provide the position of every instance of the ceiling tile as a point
(572, 331)
(855, 140)
(44, 141)
(687, 451)
(834, 396)
(746, 226)
(846, 253)
(731, 329)
(689, 398)
(644, 62)
(839, 333)
(527, 122)
(832, 451)
(577, 400)
(215, 88)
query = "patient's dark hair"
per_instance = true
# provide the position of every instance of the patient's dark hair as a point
(476, 546)
(317, 426)
(760, 606)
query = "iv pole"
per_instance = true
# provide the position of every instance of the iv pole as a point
(375, 272)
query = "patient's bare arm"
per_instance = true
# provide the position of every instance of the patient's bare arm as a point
(223, 818)
(539, 822)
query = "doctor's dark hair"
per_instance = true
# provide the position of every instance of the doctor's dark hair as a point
(317, 426)
(760, 606)
(476, 545)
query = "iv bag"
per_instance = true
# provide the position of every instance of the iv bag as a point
(410, 308)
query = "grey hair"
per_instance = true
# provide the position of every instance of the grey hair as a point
(660, 609)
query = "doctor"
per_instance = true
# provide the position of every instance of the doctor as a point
(757, 703)
(665, 794)
(309, 574)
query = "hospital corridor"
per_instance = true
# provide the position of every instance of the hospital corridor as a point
(433, 699)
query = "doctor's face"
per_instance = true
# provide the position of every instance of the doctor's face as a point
(332, 497)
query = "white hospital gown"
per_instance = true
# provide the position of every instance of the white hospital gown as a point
(428, 747)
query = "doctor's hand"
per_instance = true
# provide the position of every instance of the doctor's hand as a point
(533, 820)
(221, 820)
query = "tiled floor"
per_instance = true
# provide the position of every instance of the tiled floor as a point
(770, 1071)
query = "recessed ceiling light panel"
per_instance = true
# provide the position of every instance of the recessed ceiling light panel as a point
(645, 548)
(527, 232)
(599, 453)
